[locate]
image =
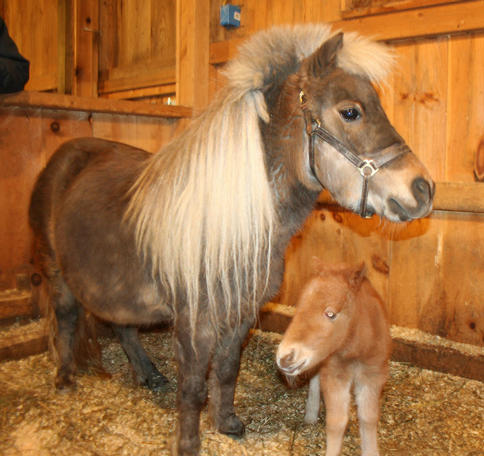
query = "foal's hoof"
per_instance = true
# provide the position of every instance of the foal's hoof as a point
(232, 426)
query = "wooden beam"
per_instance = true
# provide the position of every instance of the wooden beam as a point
(86, 47)
(387, 7)
(117, 80)
(72, 103)
(15, 303)
(276, 318)
(192, 52)
(459, 197)
(26, 340)
(449, 196)
(158, 90)
(423, 22)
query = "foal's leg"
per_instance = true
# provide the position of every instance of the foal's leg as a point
(225, 369)
(146, 372)
(367, 397)
(313, 401)
(192, 382)
(337, 395)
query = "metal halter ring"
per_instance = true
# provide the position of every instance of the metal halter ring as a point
(368, 168)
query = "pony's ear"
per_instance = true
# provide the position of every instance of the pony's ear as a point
(324, 58)
(356, 275)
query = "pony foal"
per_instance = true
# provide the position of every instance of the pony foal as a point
(340, 329)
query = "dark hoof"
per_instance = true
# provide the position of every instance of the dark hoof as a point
(157, 382)
(65, 383)
(233, 427)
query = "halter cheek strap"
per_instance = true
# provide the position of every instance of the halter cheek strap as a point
(366, 167)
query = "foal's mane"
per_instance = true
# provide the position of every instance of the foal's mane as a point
(203, 209)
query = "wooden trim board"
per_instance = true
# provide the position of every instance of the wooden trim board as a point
(72, 103)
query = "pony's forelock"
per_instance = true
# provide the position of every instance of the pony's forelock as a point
(284, 47)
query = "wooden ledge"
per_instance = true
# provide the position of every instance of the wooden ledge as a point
(449, 196)
(101, 105)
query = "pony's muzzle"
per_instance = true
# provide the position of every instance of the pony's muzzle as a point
(289, 361)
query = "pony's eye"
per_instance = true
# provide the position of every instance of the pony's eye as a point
(330, 314)
(350, 114)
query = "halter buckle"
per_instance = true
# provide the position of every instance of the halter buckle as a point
(367, 168)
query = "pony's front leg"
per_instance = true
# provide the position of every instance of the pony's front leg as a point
(192, 384)
(367, 396)
(225, 369)
(336, 388)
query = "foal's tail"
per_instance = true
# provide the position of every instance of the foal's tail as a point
(62, 308)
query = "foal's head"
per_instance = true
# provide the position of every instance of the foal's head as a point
(324, 317)
(337, 96)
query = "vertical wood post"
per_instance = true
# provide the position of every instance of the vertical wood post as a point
(85, 44)
(192, 52)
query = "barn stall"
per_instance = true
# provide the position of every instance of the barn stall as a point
(98, 70)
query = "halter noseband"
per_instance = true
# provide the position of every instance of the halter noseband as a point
(367, 168)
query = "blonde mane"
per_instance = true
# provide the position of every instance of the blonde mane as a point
(203, 208)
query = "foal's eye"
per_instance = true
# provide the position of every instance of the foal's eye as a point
(330, 314)
(350, 114)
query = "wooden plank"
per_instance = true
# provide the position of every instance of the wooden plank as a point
(352, 8)
(141, 76)
(73, 103)
(449, 196)
(167, 89)
(192, 52)
(425, 22)
(460, 197)
(15, 303)
(465, 116)
(442, 358)
(26, 340)
(86, 47)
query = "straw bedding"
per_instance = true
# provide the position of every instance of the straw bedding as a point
(423, 412)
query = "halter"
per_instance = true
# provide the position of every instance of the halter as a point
(367, 168)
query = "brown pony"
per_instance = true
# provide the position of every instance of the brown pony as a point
(195, 234)
(340, 329)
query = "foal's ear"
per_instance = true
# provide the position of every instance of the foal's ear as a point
(324, 58)
(356, 275)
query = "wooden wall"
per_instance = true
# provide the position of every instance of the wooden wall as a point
(430, 272)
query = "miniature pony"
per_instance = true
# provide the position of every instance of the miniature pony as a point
(340, 329)
(195, 234)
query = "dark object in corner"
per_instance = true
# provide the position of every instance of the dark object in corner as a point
(14, 69)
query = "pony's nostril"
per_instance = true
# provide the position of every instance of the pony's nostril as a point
(422, 189)
(286, 360)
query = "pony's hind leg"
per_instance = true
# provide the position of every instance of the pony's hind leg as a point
(66, 311)
(225, 368)
(146, 372)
